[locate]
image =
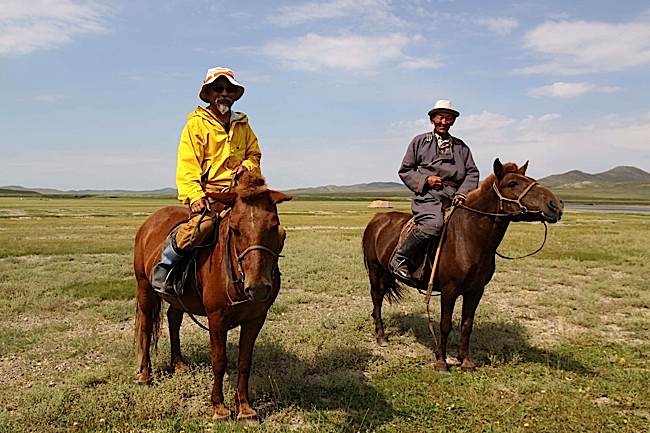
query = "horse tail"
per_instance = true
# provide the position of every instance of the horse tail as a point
(373, 264)
(147, 320)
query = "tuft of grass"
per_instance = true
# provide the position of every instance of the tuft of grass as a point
(560, 338)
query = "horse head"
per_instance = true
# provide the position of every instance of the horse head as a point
(255, 233)
(522, 196)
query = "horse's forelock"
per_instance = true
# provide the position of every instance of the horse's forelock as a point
(251, 185)
(508, 167)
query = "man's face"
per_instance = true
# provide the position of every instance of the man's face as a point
(442, 122)
(221, 92)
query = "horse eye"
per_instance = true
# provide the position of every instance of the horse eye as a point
(512, 184)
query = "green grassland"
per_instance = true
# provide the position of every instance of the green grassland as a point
(561, 338)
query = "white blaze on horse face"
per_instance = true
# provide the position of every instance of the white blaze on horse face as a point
(252, 218)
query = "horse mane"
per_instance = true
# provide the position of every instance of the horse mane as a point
(486, 184)
(250, 185)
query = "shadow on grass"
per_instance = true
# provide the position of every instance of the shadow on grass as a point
(331, 389)
(490, 341)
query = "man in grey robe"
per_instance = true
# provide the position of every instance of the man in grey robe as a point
(436, 165)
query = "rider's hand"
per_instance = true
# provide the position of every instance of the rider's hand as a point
(239, 170)
(434, 182)
(198, 205)
(458, 199)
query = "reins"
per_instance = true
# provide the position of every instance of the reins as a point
(230, 272)
(236, 280)
(523, 210)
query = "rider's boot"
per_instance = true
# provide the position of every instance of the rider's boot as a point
(403, 260)
(170, 256)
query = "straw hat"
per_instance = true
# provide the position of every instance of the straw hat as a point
(215, 73)
(443, 106)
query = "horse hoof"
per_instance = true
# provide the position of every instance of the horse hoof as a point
(143, 379)
(181, 367)
(382, 341)
(221, 414)
(248, 419)
(442, 368)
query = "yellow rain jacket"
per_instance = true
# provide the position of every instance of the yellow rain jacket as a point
(207, 152)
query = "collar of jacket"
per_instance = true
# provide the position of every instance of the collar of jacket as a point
(204, 113)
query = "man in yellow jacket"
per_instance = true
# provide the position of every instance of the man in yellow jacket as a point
(216, 145)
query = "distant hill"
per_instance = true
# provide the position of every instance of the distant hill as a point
(4, 191)
(578, 179)
(360, 188)
(622, 184)
(20, 190)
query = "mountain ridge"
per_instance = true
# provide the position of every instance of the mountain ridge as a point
(573, 179)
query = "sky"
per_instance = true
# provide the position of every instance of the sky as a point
(94, 94)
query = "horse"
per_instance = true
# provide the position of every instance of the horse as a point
(249, 243)
(466, 261)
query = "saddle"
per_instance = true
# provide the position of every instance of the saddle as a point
(187, 267)
(184, 269)
(424, 263)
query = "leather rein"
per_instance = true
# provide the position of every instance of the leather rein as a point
(230, 263)
(523, 210)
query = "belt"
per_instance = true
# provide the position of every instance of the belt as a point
(450, 182)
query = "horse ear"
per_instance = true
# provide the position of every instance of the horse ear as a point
(278, 197)
(522, 169)
(498, 169)
(227, 198)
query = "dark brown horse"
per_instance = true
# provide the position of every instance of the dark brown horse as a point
(237, 280)
(467, 256)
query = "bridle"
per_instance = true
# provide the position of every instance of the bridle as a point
(230, 263)
(523, 210)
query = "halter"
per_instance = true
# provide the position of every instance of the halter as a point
(237, 280)
(523, 210)
(517, 201)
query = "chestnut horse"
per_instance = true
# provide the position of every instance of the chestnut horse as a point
(238, 280)
(466, 262)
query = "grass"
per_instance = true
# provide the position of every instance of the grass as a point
(560, 338)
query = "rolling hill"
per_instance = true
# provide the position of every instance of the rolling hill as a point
(622, 184)
(617, 175)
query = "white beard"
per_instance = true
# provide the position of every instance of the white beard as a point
(222, 108)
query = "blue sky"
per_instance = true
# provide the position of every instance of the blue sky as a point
(95, 93)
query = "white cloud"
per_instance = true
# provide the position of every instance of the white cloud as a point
(502, 26)
(375, 11)
(26, 26)
(569, 90)
(552, 143)
(350, 52)
(578, 47)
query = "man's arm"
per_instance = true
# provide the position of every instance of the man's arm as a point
(253, 153)
(471, 175)
(188, 169)
(412, 178)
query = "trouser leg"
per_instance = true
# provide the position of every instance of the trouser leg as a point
(169, 257)
(180, 242)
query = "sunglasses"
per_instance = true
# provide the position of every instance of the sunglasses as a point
(219, 88)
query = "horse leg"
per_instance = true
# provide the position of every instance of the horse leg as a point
(218, 338)
(470, 303)
(377, 292)
(146, 326)
(247, 337)
(175, 318)
(447, 301)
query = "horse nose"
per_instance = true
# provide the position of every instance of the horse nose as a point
(556, 206)
(258, 292)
